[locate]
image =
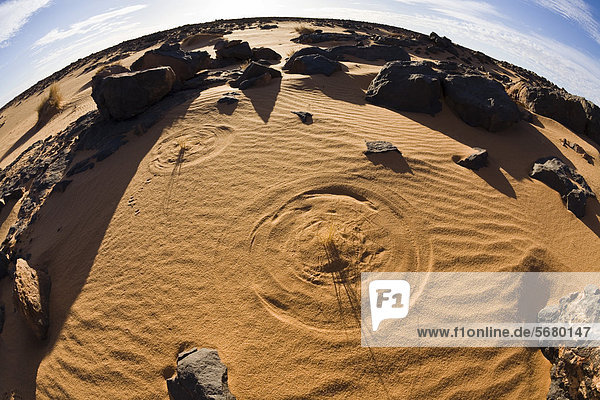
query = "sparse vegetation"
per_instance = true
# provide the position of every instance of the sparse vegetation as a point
(107, 66)
(49, 106)
(303, 29)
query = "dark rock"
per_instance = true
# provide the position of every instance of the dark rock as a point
(370, 53)
(407, 86)
(574, 112)
(305, 52)
(319, 37)
(227, 99)
(477, 160)
(268, 26)
(255, 74)
(31, 292)
(440, 44)
(480, 102)
(264, 53)
(314, 64)
(305, 117)
(200, 375)
(234, 49)
(184, 64)
(565, 180)
(380, 146)
(575, 370)
(2, 317)
(124, 96)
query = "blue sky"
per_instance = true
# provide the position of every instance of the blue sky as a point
(558, 39)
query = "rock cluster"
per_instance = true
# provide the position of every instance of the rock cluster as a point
(319, 36)
(184, 64)
(200, 375)
(255, 74)
(126, 95)
(341, 53)
(571, 186)
(418, 86)
(574, 112)
(575, 372)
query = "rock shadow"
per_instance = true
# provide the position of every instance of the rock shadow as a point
(263, 98)
(390, 160)
(68, 232)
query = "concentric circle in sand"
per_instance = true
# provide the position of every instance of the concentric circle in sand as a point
(188, 145)
(316, 244)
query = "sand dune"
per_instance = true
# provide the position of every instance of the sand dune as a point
(150, 252)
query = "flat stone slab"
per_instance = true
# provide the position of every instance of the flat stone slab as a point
(380, 146)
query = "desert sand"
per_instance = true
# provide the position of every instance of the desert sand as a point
(150, 254)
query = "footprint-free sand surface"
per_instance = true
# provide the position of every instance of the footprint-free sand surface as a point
(151, 252)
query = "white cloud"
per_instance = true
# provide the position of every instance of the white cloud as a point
(577, 11)
(91, 25)
(14, 14)
(456, 7)
(566, 66)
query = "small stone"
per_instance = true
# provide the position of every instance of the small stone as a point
(305, 117)
(227, 100)
(380, 146)
(477, 160)
(200, 375)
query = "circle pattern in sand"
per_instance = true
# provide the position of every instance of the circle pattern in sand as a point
(188, 146)
(315, 246)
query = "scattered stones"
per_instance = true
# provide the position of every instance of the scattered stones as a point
(380, 146)
(255, 74)
(480, 102)
(233, 49)
(125, 95)
(313, 64)
(184, 64)
(200, 375)
(575, 370)
(407, 86)
(475, 161)
(31, 292)
(305, 117)
(578, 149)
(571, 186)
(264, 53)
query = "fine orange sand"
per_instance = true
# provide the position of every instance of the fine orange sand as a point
(149, 256)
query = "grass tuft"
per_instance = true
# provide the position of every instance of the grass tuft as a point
(49, 106)
(303, 29)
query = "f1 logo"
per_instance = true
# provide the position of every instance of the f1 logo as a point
(389, 299)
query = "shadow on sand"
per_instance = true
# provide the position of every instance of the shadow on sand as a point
(66, 243)
(513, 151)
(263, 99)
